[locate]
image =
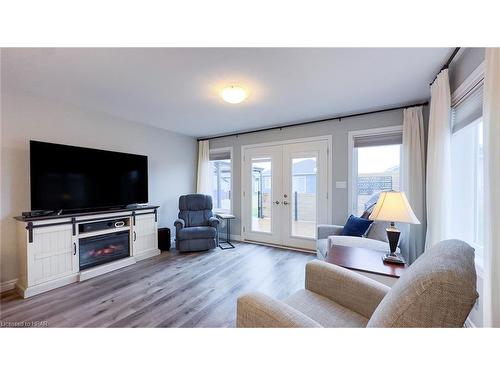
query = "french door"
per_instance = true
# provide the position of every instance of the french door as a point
(285, 193)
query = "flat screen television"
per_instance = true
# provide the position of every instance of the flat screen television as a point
(77, 178)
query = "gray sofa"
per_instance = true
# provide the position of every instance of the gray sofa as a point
(196, 229)
(437, 290)
(329, 235)
(375, 238)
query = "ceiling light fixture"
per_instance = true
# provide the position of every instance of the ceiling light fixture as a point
(233, 94)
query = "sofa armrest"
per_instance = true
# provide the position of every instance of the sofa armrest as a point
(256, 310)
(213, 221)
(179, 224)
(324, 231)
(348, 288)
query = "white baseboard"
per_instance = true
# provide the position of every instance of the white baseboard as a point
(234, 237)
(308, 251)
(8, 285)
(45, 287)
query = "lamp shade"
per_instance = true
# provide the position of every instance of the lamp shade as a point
(393, 206)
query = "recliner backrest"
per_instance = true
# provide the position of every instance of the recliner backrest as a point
(437, 290)
(195, 209)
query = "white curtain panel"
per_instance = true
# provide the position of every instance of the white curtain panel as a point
(491, 134)
(413, 181)
(438, 182)
(203, 180)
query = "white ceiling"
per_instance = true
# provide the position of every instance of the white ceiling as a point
(177, 88)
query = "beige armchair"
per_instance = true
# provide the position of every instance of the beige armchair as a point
(437, 290)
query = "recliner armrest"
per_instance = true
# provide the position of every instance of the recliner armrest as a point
(348, 288)
(214, 222)
(179, 223)
(256, 310)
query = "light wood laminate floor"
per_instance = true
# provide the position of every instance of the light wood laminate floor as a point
(170, 290)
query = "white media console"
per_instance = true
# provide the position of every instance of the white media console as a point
(49, 247)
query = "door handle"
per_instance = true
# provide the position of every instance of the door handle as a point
(74, 248)
(135, 236)
(277, 202)
(285, 203)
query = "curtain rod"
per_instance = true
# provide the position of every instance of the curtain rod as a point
(280, 127)
(447, 65)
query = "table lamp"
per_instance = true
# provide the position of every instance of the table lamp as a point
(393, 206)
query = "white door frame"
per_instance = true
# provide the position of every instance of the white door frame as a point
(329, 168)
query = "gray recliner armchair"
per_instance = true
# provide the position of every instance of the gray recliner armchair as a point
(196, 229)
(437, 290)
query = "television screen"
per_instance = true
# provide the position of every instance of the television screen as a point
(75, 178)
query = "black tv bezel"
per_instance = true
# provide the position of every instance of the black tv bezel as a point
(84, 209)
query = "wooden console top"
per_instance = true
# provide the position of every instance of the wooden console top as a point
(86, 213)
(365, 260)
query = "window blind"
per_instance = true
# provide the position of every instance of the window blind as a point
(220, 155)
(468, 108)
(393, 138)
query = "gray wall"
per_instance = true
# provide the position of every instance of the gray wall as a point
(338, 129)
(468, 60)
(172, 157)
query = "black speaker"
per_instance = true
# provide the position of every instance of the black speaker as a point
(101, 225)
(164, 238)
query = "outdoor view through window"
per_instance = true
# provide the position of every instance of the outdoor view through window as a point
(377, 169)
(220, 181)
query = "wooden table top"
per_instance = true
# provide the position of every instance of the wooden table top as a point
(366, 260)
(225, 216)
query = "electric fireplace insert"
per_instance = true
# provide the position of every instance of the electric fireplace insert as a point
(102, 249)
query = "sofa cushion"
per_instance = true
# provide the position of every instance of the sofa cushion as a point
(356, 226)
(377, 231)
(195, 202)
(191, 233)
(195, 209)
(325, 311)
(363, 242)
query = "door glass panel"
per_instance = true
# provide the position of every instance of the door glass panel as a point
(261, 194)
(303, 199)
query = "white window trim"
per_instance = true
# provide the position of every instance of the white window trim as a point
(352, 159)
(226, 149)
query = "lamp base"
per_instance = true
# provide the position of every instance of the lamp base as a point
(393, 258)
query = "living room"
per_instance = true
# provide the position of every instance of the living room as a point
(226, 185)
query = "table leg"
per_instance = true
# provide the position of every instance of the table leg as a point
(228, 236)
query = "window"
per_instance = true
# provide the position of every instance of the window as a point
(376, 162)
(221, 179)
(467, 171)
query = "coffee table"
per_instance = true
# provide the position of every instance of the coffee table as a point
(366, 262)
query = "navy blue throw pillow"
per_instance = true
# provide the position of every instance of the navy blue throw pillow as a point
(356, 226)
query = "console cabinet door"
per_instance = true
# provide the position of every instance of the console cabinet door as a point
(145, 237)
(52, 254)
